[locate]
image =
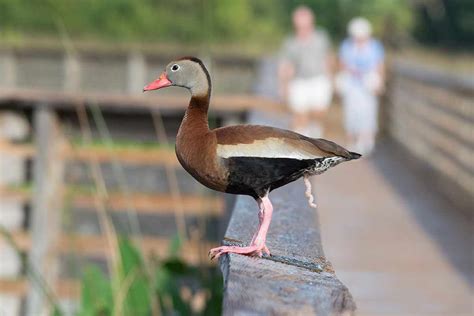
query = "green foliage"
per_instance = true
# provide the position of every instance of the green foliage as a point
(445, 23)
(175, 21)
(259, 22)
(390, 18)
(175, 245)
(130, 291)
(96, 293)
(133, 284)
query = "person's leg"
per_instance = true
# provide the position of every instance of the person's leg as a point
(365, 142)
(300, 122)
(297, 101)
(316, 124)
(369, 126)
(320, 95)
(350, 123)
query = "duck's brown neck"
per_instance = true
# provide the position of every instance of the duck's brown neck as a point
(195, 121)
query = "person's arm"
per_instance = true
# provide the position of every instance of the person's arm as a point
(343, 65)
(381, 70)
(331, 58)
(286, 70)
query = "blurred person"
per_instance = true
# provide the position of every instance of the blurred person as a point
(360, 82)
(304, 73)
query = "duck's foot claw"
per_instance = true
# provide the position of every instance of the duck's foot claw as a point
(266, 251)
(252, 250)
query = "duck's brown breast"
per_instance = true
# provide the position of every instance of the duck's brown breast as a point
(196, 152)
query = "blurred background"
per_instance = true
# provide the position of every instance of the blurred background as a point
(98, 218)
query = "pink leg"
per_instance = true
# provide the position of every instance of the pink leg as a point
(260, 219)
(257, 246)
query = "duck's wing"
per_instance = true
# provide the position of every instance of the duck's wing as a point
(270, 142)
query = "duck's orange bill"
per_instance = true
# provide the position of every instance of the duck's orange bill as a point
(159, 83)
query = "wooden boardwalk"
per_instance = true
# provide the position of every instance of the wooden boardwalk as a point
(400, 247)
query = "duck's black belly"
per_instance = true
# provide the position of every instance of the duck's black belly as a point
(256, 176)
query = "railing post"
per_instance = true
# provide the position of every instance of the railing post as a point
(9, 65)
(71, 73)
(13, 127)
(46, 205)
(136, 72)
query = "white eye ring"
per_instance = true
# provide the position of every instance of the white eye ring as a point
(175, 67)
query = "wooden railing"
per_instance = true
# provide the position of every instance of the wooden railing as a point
(45, 83)
(113, 71)
(431, 115)
(297, 278)
(49, 194)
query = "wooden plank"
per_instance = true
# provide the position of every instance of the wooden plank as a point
(17, 287)
(154, 156)
(64, 288)
(157, 204)
(193, 252)
(194, 205)
(130, 103)
(447, 100)
(406, 131)
(459, 128)
(20, 150)
(432, 76)
(46, 203)
(17, 194)
(153, 51)
(68, 289)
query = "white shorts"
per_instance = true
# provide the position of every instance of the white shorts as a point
(310, 94)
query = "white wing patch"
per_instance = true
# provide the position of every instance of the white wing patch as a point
(265, 148)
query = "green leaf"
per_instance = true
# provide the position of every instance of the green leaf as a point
(96, 293)
(175, 246)
(56, 311)
(133, 281)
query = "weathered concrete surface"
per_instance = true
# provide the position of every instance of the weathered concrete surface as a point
(294, 230)
(264, 287)
(296, 279)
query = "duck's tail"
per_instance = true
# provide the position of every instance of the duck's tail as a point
(354, 155)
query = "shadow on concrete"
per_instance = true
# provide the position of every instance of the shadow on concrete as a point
(449, 226)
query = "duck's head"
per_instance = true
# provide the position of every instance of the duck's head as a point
(187, 72)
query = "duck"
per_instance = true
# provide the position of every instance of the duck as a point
(250, 160)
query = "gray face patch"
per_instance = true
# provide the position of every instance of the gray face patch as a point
(188, 74)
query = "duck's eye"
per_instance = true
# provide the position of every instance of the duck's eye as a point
(175, 67)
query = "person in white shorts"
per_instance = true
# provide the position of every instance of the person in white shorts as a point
(304, 73)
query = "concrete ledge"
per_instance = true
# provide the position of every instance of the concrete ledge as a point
(297, 279)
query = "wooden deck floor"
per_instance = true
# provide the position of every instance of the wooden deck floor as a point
(400, 247)
(394, 241)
